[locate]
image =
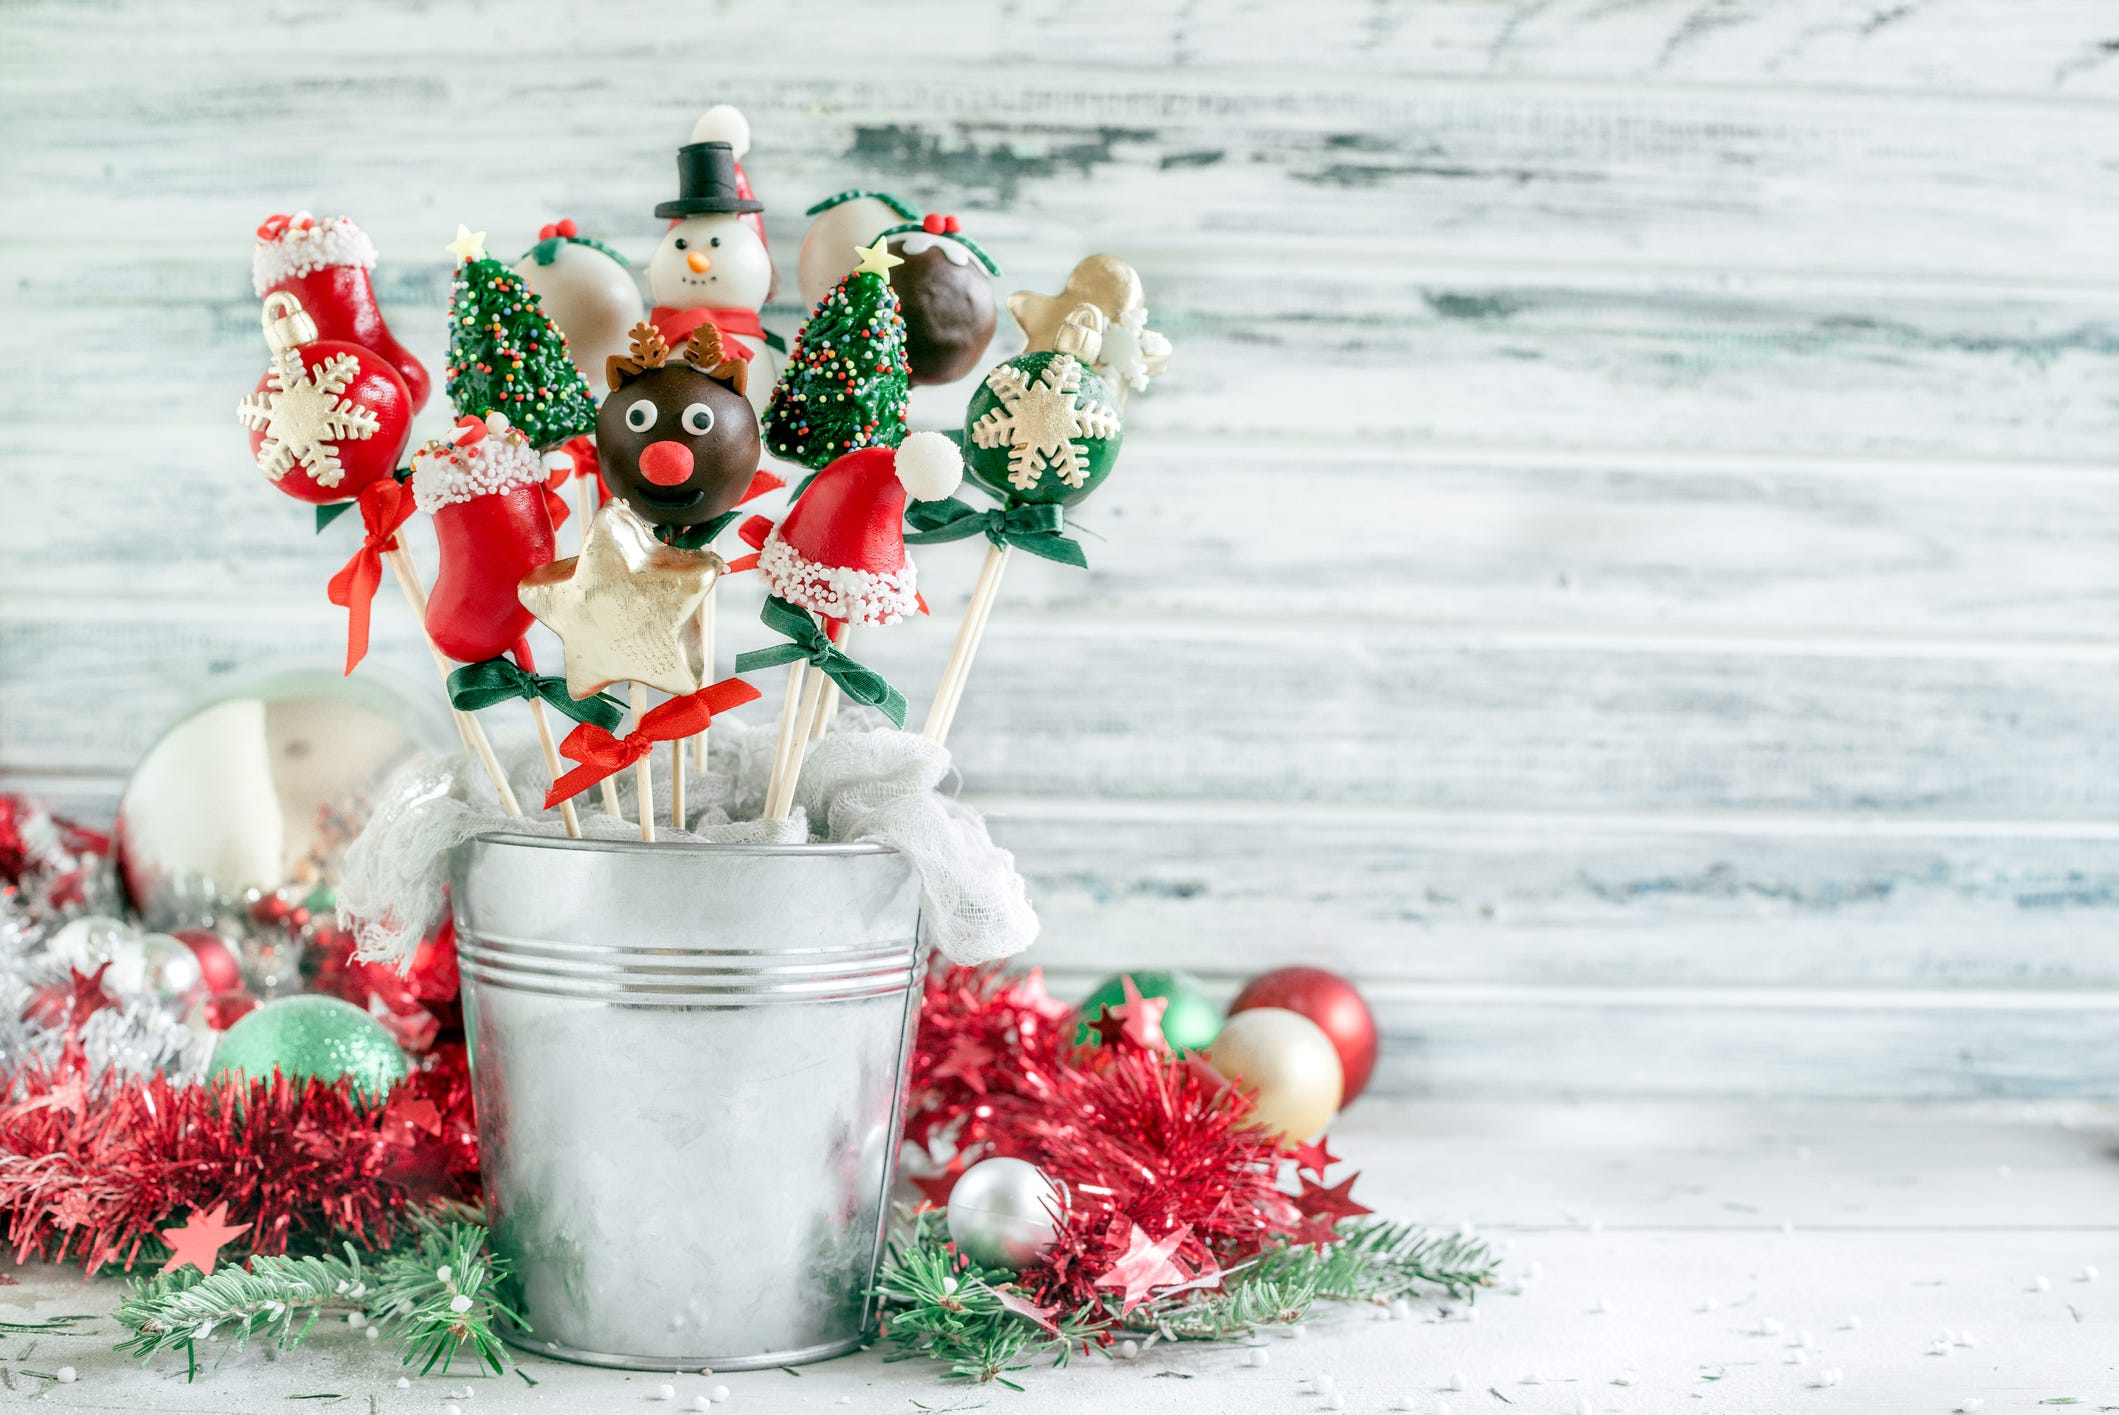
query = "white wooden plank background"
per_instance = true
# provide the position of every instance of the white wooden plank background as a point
(1623, 563)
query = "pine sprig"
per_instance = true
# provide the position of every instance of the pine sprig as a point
(942, 1306)
(436, 1292)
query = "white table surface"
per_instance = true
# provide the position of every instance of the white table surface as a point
(1915, 1220)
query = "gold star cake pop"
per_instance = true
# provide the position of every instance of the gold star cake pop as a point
(627, 607)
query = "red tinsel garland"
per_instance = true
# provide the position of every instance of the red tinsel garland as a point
(1134, 1136)
(90, 1167)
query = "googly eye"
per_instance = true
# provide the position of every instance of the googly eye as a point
(698, 419)
(641, 416)
(680, 243)
(715, 241)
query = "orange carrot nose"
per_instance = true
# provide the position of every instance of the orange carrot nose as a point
(699, 263)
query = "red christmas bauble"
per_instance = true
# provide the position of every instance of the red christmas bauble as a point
(328, 420)
(219, 967)
(1332, 1003)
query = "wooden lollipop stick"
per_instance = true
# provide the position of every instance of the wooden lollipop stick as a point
(677, 785)
(585, 512)
(408, 580)
(812, 694)
(551, 761)
(828, 705)
(643, 772)
(784, 740)
(706, 656)
(951, 689)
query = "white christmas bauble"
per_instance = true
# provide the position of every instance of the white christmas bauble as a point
(592, 298)
(828, 248)
(1003, 1213)
(1288, 1064)
(711, 262)
(86, 943)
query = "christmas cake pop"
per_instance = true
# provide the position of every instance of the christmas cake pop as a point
(1130, 353)
(587, 290)
(677, 440)
(840, 551)
(843, 223)
(1042, 428)
(846, 380)
(329, 418)
(945, 291)
(324, 264)
(712, 266)
(485, 489)
(724, 122)
(506, 356)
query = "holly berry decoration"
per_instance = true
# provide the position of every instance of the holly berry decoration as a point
(586, 289)
(1042, 427)
(324, 264)
(328, 419)
(506, 356)
(485, 489)
(676, 439)
(1333, 1004)
(845, 384)
(945, 292)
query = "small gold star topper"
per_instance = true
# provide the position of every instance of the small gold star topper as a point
(877, 259)
(627, 607)
(468, 245)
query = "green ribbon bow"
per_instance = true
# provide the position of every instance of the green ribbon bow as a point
(699, 537)
(805, 640)
(1035, 528)
(497, 680)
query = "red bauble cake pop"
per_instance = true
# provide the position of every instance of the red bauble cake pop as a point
(329, 419)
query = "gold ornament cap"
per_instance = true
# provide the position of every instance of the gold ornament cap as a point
(1081, 333)
(287, 324)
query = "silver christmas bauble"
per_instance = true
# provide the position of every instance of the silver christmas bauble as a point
(259, 793)
(1003, 1213)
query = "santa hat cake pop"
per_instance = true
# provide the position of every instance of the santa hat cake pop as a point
(840, 551)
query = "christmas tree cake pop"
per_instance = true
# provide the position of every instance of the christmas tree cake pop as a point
(587, 290)
(945, 291)
(846, 381)
(677, 440)
(324, 264)
(712, 265)
(841, 225)
(505, 356)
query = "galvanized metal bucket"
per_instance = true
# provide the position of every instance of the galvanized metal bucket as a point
(688, 1061)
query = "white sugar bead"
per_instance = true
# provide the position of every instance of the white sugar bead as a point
(1601, 1305)
(2088, 1273)
(1458, 1381)
(373, 1333)
(1324, 1385)
(1798, 1357)
(1441, 1407)
(1583, 1407)
(1533, 1379)
(404, 1383)
(1970, 1405)
(700, 1402)
(66, 1375)
(1804, 1339)
(1335, 1401)
(1769, 1326)
(1850, 1323)
(2041, 1283)
(1127, 1350)
(665, 1391)
(1625, 1378)
(1709, 1304)
(1259, 1356)
(718, 1393)
(452, 1410)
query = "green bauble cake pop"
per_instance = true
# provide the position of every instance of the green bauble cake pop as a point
(1043, 428)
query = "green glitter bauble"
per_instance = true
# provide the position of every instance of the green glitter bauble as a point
(312, 1035)
(1191, 1022)
(1041, 427)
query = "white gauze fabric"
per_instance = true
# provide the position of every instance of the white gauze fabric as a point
(865, 781)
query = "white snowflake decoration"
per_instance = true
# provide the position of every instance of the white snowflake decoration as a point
(1132, 352)
(304, 417)
(1041, 423)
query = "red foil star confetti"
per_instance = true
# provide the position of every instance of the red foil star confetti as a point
(198, 1243)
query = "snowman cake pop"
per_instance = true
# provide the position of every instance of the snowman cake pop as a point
(712, 266)
(586, 289)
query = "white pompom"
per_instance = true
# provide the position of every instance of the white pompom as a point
(929, 466)
(724, 123)
(559, 461)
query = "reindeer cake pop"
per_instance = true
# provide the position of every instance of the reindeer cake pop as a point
(677, 439)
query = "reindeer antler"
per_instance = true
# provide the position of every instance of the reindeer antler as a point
(649, 352)
(709, 355)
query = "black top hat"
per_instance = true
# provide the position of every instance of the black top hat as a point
(706, 182)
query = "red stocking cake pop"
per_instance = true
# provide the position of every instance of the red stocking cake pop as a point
(485, 489)
(325, 264)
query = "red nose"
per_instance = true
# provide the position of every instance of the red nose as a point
(666, 463)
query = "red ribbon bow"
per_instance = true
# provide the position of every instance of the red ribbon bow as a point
(275, 227)
(602, 755)
(385, 506)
